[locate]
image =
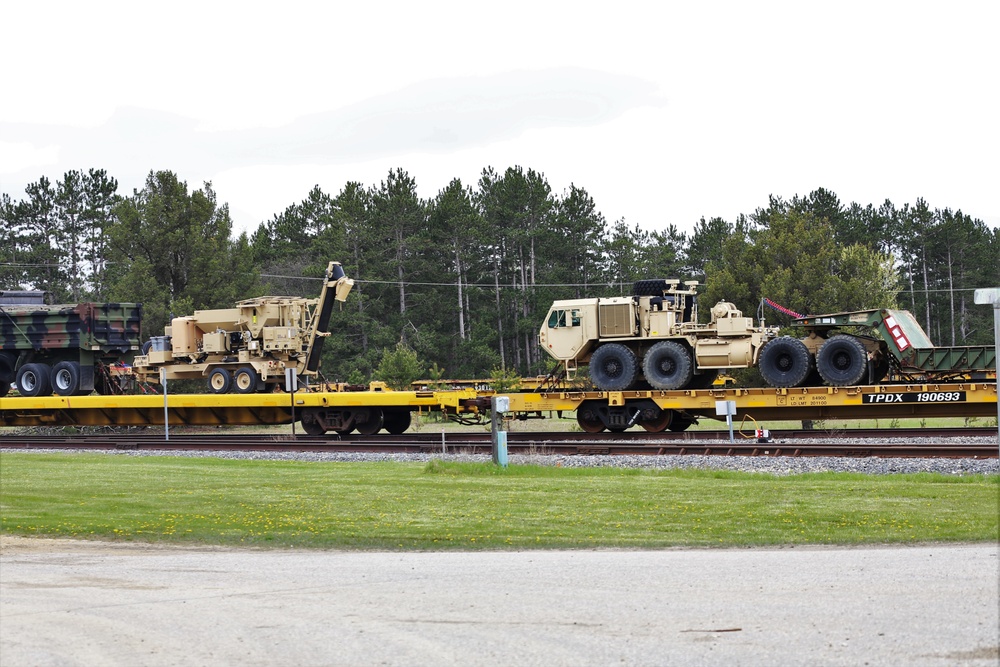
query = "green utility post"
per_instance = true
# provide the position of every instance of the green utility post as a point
(985, 297)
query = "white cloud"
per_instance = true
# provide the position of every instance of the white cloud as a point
(664, 112)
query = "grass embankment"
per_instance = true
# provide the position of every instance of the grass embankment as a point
(476, 506)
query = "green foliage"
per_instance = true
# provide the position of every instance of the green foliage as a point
(180, 253)
(399, 367)
(504, 380)
(465, 278)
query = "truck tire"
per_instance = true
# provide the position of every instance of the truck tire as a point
(4, 388)
(613, 367)
(7, 363)
(245, 380)
(842, 361)
(219, 381)
(33, 380)
(785, 362)
(667, 365)
(66, 378)
(649, 287)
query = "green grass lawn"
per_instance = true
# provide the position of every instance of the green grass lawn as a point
(443, 505)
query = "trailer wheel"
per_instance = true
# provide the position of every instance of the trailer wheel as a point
(245, 380)
(33, 380)
(371, 425)
(66, 378)
(667, 365)
(785, 362)
(842, 361)
(613, 367)
(219, 381)
(396, 421)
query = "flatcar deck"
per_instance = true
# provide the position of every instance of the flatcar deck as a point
(868, 402)
(209, 409)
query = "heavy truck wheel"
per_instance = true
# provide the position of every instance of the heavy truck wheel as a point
(613, 367)
(667, 365)
(842, 361)
(785, 362)
(33, 380)
(66, 378)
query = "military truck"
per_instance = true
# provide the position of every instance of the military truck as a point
(652, 336)
(894, 343)
(70, 349)
(246, 348)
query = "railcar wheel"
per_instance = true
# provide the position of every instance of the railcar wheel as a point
(245, 380)
(680, 424)
(589, 420)
(371, 425)
(613, 367)
(659, 423)
(668, 365)
(785, 362)
(219, 381)
(66, 378)
(310, 424)
(396, 421)
(842, 361)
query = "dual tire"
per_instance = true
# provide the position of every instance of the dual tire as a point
(842, 361)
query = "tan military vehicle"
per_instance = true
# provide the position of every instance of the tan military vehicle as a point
(246, 348)
(653, 335)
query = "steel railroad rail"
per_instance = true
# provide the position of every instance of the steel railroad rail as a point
(580, 444)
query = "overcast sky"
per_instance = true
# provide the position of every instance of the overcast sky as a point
(663, 111)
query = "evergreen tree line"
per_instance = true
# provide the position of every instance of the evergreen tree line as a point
(465, 279)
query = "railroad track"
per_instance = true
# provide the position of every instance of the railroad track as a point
(902, 443)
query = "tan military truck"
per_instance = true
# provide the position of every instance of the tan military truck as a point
(246, 348)
(653, 335)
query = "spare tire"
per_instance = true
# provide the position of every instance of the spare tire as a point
(785, 362)
(842, 361)
(613, 367)
(651, 287)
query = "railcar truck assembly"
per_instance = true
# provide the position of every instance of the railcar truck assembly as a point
(653, 335)
(246, 348)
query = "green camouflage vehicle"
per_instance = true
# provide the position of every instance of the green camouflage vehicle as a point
(67, 349)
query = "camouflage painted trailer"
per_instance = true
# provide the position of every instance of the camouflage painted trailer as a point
(66, 349)
(895, 345)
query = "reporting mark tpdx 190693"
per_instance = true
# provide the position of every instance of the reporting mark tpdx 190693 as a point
(916, 397)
